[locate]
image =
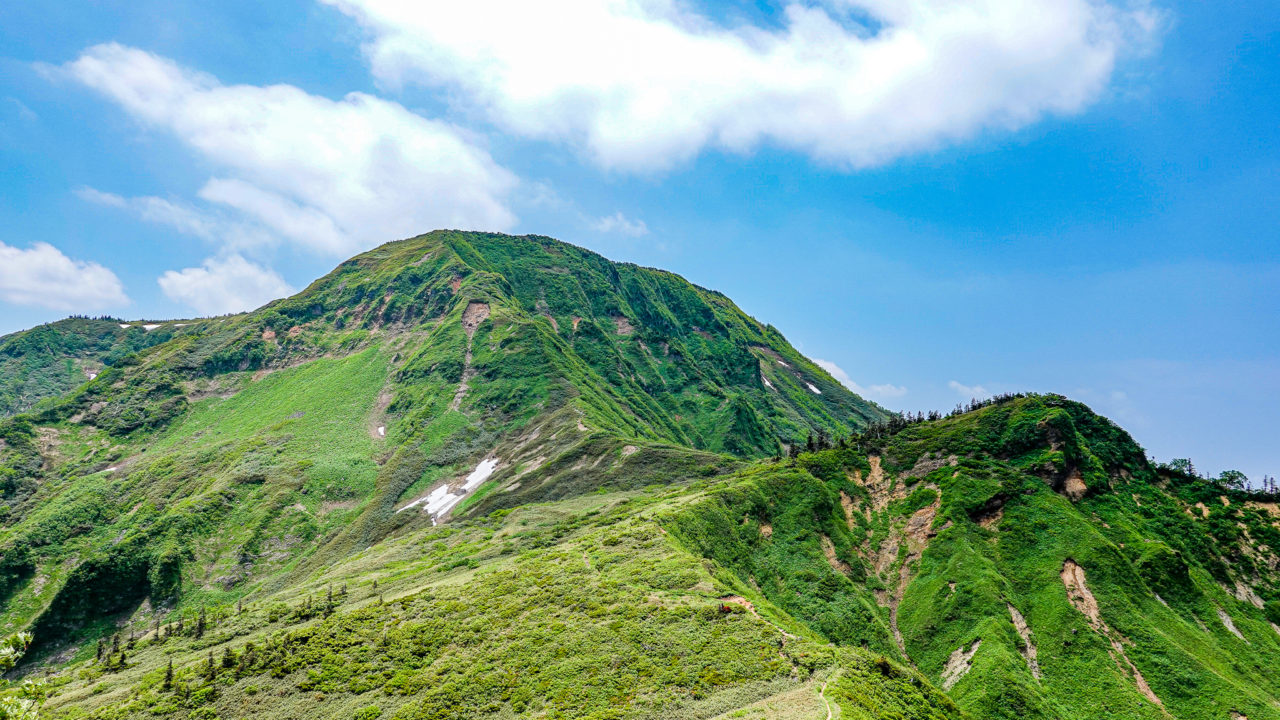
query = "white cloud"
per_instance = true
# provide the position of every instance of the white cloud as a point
(224, 285)
(969, 392)
(619, 223)
(42, 275)
(644, 84)
(883, 392)
(331, 176)
(158, 210)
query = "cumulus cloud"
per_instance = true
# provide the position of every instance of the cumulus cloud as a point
(331, 176)
(644, 84)
(883, 392)
(969, 392)
(41, 275)
(224, 285)
(621, 224)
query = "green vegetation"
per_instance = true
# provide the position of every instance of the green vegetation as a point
(471, 475)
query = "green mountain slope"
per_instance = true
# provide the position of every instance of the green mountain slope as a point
(472, 475)
(50, 360)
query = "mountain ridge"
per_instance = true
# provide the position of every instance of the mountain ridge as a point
(471, 474)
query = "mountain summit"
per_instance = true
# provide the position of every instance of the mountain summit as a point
(476, 475)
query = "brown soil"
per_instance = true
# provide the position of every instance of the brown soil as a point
(268, 334)
(1082, 598)
(829, 549)
(1229, 624)
(1029, 648)
(743, 602)
(1079, 594)
(928, 463)
(456, 284)
(958, 665)
(766, 530)
(1270, 508)
(623, 325)
(1074, 486)
(991, 520)
(846, 502)
(475, 314)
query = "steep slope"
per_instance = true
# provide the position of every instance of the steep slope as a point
(1026, 557)
(411, 384)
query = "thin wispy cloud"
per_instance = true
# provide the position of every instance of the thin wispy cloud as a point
(643, 85)
(885, 391)
(969, 392)
(621, 224)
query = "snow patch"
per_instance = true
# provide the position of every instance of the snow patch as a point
(382, 431)
(111, 469)
(124, 325)
(441, 500)
(814, 389)
(149, 328)
(766, 382)
(782, 363)
(93, 375)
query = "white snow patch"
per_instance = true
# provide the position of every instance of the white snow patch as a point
(441, 500)
(382, 431)
(180, 324)
(111, 469)
(149, 328)
(783, 363)
(811, 387)
(766, 382)
(124, 325)
(93, 375)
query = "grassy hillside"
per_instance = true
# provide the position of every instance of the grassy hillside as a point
(471, 475)
(50, 360)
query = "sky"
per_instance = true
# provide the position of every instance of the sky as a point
(936, 199)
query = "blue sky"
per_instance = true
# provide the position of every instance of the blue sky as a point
(941, 199)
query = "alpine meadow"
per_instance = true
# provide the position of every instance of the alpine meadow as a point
(478, 475)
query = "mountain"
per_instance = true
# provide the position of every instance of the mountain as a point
(476, 475)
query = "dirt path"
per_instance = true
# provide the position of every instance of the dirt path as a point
(822, 693)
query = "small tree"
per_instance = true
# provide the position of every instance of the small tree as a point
(1234, 479)
(168, 676)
